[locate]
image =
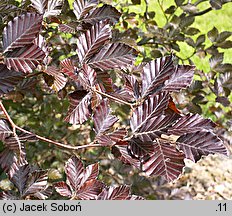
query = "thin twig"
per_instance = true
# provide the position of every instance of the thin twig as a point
(114, 98)
(58, 144)
(201, 12)
(162, 9)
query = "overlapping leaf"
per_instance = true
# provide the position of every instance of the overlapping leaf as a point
(79, 107)
(82, 7)
(191, 123)
(88, 76)
(140, 149)
(103, 120)
(8, 79)
(25, 59)
(105, 12)
(180, 79)
(37, 182)
(59, 79)
(111, 56)
(200, 143)
(155, 73)
(151, 107)
(81, 183)
(112, 138)
(69, 69)
(19, 175)
(166, 161)
(47, 7)
(90, 41)
(21, 31)
(5, 130)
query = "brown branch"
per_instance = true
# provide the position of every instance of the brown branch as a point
(58, 144)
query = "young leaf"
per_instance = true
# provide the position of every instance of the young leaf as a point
(59, 79)
(102, 118)
(155, 73)
(5, 131)
(93, 39)
(21, 31)
(181, 78)
(165, 161)
(82, 7)
(113, 56)
(200, 143)
(79, 107)
(25, 59)
(8, 79)
(105, 12)
(191, 123)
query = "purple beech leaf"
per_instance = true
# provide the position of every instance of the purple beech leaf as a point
(18, 175)
(112, 56)
(21, 31)
(139, 149)
(105, 12)
(5, 130)
(16, 142)
(155, 73)
(67, 28)
(121, 153)
(181, 78)
(5, 195)
(92, 40)
(90, 190)
(63, 189)
(44, 194)
(122, 94)
(112, 138)
(78, 111)
(104, 78)
(59, 79)
(88, 76)
(53, 8)
(115, 193)
(8, 79)
(69, 69)
(131, 85)
(102, 118)
(200, 143)
(90, 173)
(82, 7)
(8, 157)
(165, 161)
(39, 5)
(150, 108)
(191, 123)
(24, 59)
(74, 170)
(37, 182)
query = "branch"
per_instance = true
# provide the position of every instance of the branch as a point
(58, 144)
(201, 12)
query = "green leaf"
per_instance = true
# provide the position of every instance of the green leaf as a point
(179, 2)
(192, 31)
(170, 10)
(213, 34)
(225, 44)
(200, 40)
(136, 2)
(223, 36)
